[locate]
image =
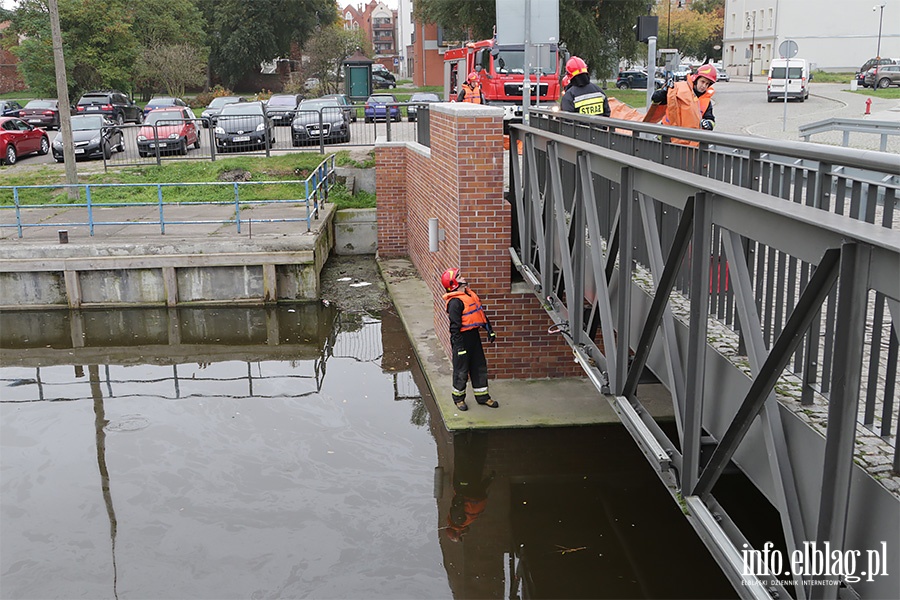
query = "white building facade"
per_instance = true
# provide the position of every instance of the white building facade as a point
(832, 35)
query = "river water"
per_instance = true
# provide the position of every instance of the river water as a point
(295, 452)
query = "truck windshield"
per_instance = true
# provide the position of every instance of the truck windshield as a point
(511, 60)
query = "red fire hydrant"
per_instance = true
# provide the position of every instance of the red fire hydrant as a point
(868, 106)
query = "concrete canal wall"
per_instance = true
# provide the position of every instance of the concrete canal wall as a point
(195, 267)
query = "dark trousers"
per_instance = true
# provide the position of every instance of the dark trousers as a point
(469, 362)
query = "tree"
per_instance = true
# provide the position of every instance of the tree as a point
(172, 67)
(327, 49)
(244, 34)
(100, 51)
(693, 32)
(716, 8)
(600, 32)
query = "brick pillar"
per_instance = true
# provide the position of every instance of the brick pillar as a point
(460, 181)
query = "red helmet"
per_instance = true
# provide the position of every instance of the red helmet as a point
(472, 76)
(576, 66)
(707, 71)
(448, 279)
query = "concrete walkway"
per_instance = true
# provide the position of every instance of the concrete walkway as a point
(523, 402)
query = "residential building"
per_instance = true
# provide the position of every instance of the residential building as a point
(10, 80)
(378, 22)
(831, 35)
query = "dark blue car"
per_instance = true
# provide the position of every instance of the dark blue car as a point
(379, 106)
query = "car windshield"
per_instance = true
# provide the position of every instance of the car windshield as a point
(162, 101)
(382, 99)
(93, 100)
(338, 98)
(40, 104)
(282, 101)
(221, 101)
(242, 109)
(318, 104)
(169, 116)
(424, 97)
(87, 123)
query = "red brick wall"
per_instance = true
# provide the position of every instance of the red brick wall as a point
(460, 181)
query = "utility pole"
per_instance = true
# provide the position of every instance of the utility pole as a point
(62, 94)
(752, 43)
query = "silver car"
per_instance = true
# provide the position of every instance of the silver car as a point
(320, 119)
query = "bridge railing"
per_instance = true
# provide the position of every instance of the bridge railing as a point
(24, 207)
(737, 269)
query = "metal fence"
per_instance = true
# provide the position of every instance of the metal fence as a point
(309, 130)
(32, 203)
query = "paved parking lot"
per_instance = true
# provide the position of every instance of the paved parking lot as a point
(740, 107)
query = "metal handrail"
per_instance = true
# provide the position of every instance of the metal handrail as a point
(848, 126)
(316, 189)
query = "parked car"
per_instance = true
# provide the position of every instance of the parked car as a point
(636, 79)
(380, 69)
(41, 113)
(281, 107)
(18, 138)
(382, 83)
(681, 73)
(170, 130)
(379, 106)
(308, 127)
(115, 105)
(242, 126)
(723, 74)
(346, 103)
(209, 114)
(9, 108)
(871, 64)
(162, 102)
(93, 136)
(412, 110)
(883, 76)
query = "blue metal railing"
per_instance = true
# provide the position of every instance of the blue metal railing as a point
(316, 189)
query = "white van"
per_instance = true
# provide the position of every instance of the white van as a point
(796, 79)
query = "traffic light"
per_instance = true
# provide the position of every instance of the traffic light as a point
(647, 27)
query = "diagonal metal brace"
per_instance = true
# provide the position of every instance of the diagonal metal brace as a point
(802, 316)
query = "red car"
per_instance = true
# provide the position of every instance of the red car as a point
(170, 129)
(18, 138)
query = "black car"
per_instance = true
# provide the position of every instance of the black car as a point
(162, 102)
(381, 82)
(320, 120)
(280, 108)
(244, 126)
(412, 110)
(635, 80)
(381, 70)
(94, 136)
(9, 108)
(211, 112)
(41, 113)
(115, 105)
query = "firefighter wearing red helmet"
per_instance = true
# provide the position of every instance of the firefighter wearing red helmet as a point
(467, 318)
(693, 97)
(581, 95)
(470, 90)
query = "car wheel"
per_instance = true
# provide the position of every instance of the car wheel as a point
(10, 155)
(622, 85)
(367, 120)
(120, 119)
(884, 83)
(121, 145)
(142, 154)
(59, 160)
(45, 146)
(107, 152)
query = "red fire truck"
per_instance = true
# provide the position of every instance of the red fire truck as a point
(501, 71)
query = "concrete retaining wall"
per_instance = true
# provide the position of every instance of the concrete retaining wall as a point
(355, 231)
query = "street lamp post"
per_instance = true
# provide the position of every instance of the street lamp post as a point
(752, 42)
(880, 18)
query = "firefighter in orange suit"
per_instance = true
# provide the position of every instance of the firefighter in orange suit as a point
(693, 99)
(466, 320)
(470, 91)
